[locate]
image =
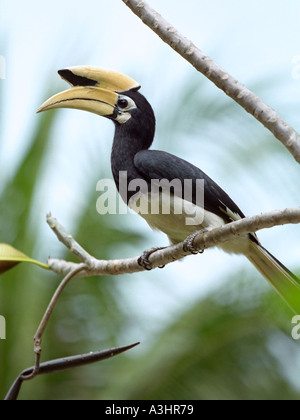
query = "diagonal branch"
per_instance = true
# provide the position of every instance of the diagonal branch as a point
(234, 89)
(175, 252)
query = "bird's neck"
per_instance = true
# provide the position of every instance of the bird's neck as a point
(125, 146)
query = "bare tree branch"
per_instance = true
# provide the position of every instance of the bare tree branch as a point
(175, 252)
(45, 319)
(234, 89)
(68, 241)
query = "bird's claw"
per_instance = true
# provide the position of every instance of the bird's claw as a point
(188, 243)
(143, 260)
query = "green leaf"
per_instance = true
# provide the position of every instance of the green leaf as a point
(10, 257)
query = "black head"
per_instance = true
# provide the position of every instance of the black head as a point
(134, 117)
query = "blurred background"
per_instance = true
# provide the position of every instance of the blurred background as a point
(210, 326)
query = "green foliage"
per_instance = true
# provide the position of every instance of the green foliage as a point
(224, 347)
(21, 298)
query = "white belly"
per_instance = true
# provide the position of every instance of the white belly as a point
(178, 225)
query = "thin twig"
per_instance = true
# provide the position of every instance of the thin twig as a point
(45, 319)
(176, 252)
(234, 89)
(64, 364)
(68, 240)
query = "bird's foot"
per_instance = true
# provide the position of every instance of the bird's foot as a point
(144, 262)
(188, 243)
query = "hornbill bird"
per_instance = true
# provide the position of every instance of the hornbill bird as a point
(116, 96)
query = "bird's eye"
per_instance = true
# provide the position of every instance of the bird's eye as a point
(123, 103)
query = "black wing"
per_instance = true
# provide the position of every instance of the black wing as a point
(154, 164)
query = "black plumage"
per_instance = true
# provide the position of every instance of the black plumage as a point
(130, 153)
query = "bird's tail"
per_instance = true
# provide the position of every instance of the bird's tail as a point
(283, 280)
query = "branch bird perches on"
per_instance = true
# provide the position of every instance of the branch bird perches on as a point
(96, 267)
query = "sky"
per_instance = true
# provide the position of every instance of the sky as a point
(251, 40)
(256, 38)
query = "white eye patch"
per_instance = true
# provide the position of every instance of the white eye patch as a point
(124, 105)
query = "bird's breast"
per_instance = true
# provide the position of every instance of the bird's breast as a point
(178, 218)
